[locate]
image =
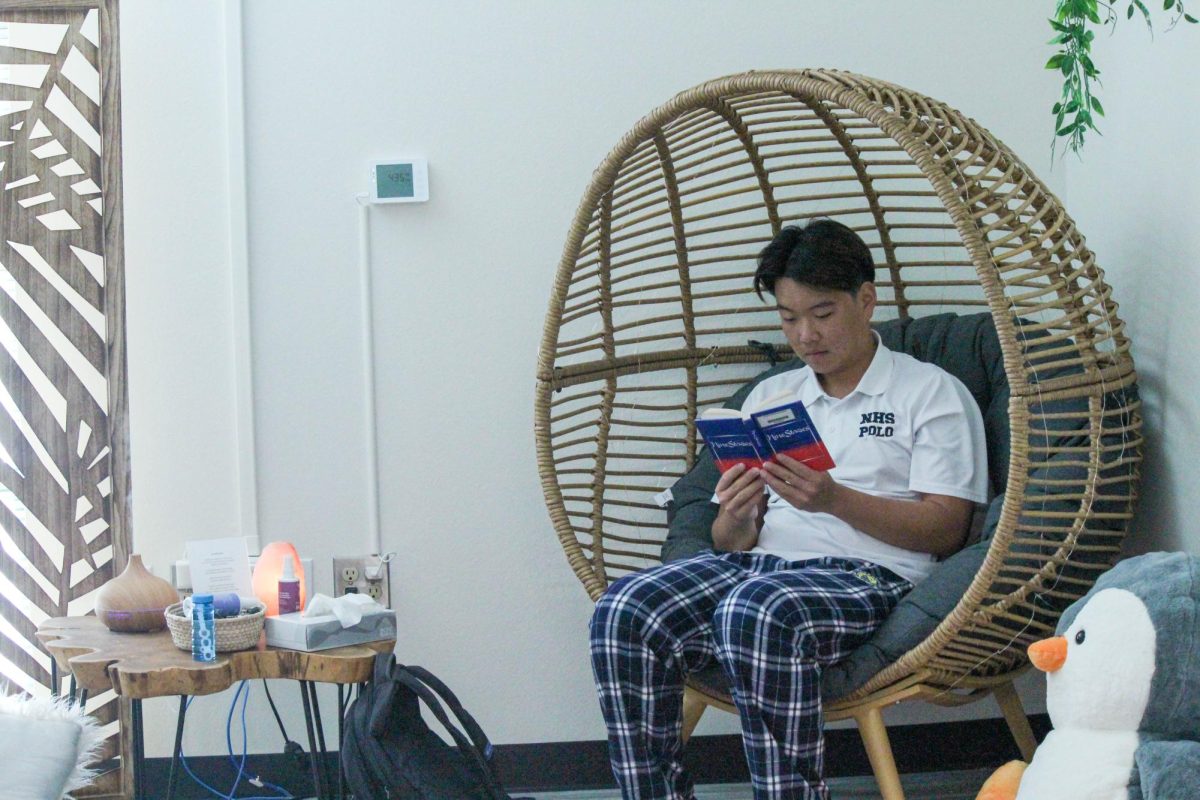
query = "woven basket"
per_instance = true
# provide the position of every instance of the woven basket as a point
(233, 633)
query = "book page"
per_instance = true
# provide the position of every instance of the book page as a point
(779, 399)
(722, 413)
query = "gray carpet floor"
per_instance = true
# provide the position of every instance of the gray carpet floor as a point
(927, 786)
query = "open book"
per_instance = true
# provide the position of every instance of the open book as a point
(779, 425)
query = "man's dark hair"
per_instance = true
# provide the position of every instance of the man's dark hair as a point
(822, 254)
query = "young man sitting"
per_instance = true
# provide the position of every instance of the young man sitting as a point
(805, 565)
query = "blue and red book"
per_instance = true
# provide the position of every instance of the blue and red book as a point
(780, 425)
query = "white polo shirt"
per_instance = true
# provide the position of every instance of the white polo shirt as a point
(907, 428)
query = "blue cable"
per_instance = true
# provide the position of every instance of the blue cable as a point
(188, 770)
(241, 768)
(284, 794)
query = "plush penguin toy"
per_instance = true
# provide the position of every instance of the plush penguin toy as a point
(1122, 689)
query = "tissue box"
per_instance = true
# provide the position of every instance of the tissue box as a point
(324, 631)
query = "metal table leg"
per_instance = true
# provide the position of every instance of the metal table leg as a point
(341, 775)
(319, 724)
(138, 746)
(175, 754)
(317, 770)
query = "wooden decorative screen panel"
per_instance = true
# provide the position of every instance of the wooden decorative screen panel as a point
(64, 481)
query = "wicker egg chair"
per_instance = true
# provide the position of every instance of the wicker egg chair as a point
(652, 319)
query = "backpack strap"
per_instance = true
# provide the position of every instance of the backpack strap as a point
(448, 697)
(403, 675)
(384, 697)
(384, 662)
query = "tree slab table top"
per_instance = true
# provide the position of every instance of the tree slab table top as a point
(142, 665)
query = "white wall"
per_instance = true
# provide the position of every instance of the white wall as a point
(514, 103)
(178, 283)
(1136, 195)
(183, 389)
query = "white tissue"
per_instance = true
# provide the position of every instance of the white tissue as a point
(349, 608)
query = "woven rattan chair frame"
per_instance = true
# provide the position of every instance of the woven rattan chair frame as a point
(651, 314)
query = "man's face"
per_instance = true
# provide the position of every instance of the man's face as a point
(829, 329)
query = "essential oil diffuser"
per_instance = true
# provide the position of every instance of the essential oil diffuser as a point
(134, 601)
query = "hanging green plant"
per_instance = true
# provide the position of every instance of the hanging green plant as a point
(1076, 111)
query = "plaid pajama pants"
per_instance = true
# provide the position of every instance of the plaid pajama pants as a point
(771, 624)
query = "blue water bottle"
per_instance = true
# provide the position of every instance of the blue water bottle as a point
(204, 628)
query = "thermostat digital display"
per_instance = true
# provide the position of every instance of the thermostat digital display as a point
(401, 180)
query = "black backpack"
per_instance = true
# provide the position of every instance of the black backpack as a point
(389, 752)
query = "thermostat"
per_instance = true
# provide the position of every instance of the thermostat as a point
(400, 180)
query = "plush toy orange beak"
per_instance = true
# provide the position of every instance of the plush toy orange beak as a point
(1049, 655)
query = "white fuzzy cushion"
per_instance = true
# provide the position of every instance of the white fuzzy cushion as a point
(45, 746)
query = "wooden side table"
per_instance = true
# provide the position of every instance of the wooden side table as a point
(138, 666)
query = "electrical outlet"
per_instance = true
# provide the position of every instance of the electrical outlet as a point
(369, 575)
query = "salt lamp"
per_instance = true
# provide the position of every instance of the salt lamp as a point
(269, 569)
(134, 601)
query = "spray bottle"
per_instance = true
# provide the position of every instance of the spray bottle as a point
(289, 588)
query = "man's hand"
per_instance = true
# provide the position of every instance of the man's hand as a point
(931, 523)
(806, 489)
(743, 500)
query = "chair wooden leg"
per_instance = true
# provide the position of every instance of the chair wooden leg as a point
(879, 751)
(693, 709)
(1014, 714)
